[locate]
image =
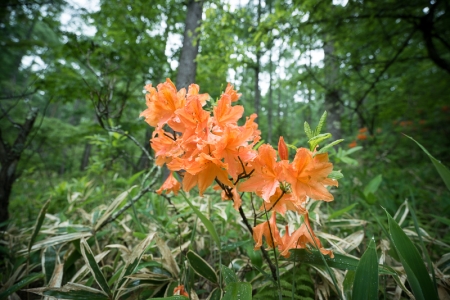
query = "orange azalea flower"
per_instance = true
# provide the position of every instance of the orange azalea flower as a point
(193, 120)
(361, 136)
(281, 202)
(180, 291)
(162, 103)
(283, 151)
(165, 146)
(193, 92)
(268, 172)
(234, 149)
(352, 144)
(271, 234)
(234, 96)
(224, 113)
(308, 175)
(237, 201)
(362, 130)
(300, 238)
(202, 171)
(170, 185)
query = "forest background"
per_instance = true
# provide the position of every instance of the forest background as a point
(72, 83)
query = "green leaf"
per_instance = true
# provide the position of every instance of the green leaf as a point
(348, 283)
(22, 283)
(322, 121)
(308, 131)
(353, 150)
(208, 224)
(255, 256)
(373, 185)
(412, 261)
(216, 294)
(442, 170)
(172, 298)
(365, 285)
(340, 261)
(201, 267)
(342, 211)
(94, 267)
(228, 275)
(442, 219)
(48, 261)
(37, 226)
(71, 291)
(57, 240)
(133, 262)
(329, 146)
(314, 141)
(336, 175)
(112, 207)
(134, 177)
(238, 291)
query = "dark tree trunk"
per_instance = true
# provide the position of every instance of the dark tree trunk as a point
(332, 104)
(258, 68)
(270, 102)
(144, 162)
(86, 155)
(426, 25)
(187, 68)
(9, 158)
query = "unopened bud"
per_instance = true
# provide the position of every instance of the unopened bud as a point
(283, 150)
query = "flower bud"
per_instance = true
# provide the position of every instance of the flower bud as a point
(283, 150)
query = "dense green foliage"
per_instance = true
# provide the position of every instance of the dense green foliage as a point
(386, 67)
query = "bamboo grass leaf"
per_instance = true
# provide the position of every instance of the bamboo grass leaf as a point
(340, 261)
(208, 224)
(94, 267)
(412, 261)
(365, 285)
(442, 170)
(57, 240)
(133, 262)
(169, 261)
(216, 294)
(228, 275)
(238, 291)
(201, 267)
(19, 285)
(112, 207)
(38, 225)
(72, 291)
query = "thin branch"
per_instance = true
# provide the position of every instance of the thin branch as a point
(18, 96)
(266, 256)
(141, 193)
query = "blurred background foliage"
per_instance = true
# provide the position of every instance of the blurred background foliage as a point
(380, 69)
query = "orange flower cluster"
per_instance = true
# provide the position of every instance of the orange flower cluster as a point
(180, 291)
(207, 145)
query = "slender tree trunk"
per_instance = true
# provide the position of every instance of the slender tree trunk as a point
(332, 105)
(270, 101)
(258, 68)
(187, 68)
(143, 162)
(9, 158)
(86, 155)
